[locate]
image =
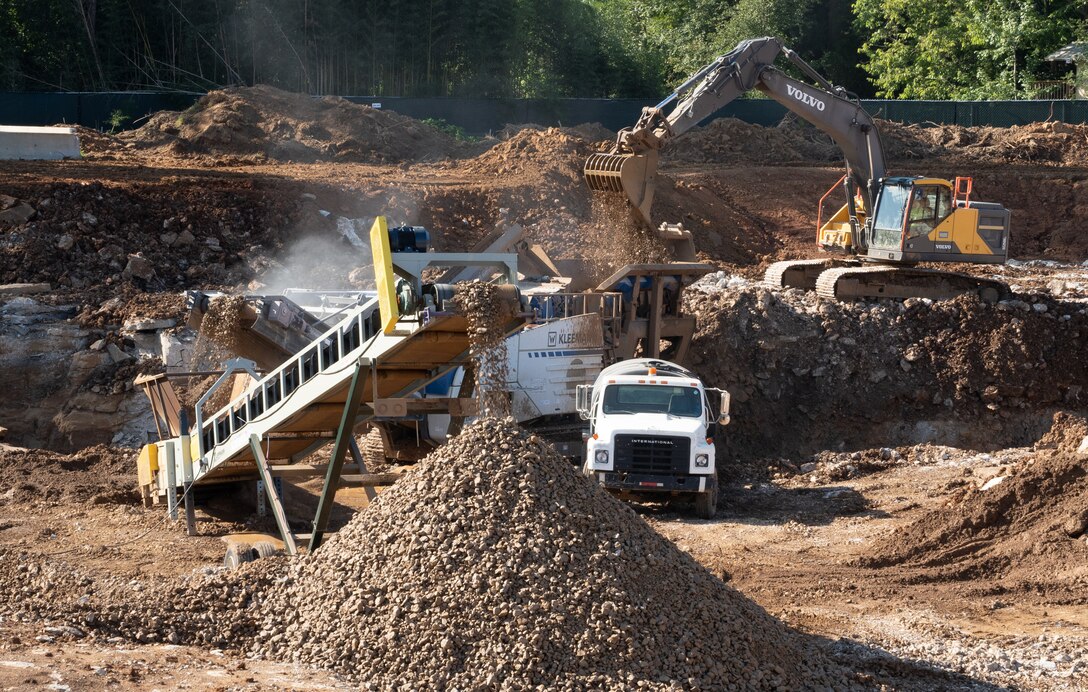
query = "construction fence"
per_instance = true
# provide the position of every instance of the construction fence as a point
(124, 110)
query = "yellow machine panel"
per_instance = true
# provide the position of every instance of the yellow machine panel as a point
(384, 278)
(835, 233)
(147, 464)
(964, 232)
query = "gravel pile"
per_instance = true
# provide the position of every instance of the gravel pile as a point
(493, 564)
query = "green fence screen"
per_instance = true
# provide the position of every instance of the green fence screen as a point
(480, 116)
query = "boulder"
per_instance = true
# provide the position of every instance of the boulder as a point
(17, 215)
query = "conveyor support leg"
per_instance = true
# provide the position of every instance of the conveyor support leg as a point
(344, 435)
(273, 495)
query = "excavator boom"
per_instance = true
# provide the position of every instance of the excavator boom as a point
(630, 166)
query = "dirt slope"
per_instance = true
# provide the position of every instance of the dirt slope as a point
(1023, 524)
(808, 374)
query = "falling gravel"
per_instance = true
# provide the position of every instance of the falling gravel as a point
(494, 564)
(487, 313)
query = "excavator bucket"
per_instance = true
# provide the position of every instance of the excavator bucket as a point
(632, 174)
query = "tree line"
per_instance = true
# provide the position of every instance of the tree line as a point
(526, 48)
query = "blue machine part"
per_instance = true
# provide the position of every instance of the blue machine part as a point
(626, 285)
(441, 386)
(409, 239)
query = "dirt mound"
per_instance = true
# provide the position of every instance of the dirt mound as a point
(131, 305)
(554, 153)
(1028, 522)
(96, 475)
(492, 560)
(591, 132)
(551, 199)
(96, 144)
(1036, 143)
(730, 141)
(256, 123)
(957, 372)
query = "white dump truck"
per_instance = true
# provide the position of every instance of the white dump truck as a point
(652, 429)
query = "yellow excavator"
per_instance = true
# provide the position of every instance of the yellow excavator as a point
(887, 226)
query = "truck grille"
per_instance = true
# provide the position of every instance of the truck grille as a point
(652, 454)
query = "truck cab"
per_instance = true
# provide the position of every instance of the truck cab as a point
(651, 432)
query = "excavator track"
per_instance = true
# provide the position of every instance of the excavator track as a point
(850, 283)
(800, 273)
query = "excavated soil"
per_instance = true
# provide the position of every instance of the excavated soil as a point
(728, 141)
(95, 475)
(808, 374)
(97, 239)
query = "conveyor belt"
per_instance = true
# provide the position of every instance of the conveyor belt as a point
(297, 407)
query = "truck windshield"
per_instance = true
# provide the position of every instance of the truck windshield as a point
(653, 398)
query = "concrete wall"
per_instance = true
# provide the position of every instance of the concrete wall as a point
(49, 143)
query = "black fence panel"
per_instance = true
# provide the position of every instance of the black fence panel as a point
(483, 116)
(102, 110)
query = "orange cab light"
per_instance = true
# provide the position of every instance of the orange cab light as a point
(611, 382)
(653, 371)
(642, 381)
(596, 436)
(710, 440)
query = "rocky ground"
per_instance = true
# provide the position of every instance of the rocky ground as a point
(905, 481)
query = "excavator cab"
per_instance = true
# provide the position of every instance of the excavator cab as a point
(930, 220)
(910, 211)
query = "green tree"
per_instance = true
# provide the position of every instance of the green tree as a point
(968, 49)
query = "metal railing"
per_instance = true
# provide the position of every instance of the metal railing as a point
(278, 385)
(1051, 90)
(556, 306)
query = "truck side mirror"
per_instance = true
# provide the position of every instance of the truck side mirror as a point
(723, 416)
(582, 394)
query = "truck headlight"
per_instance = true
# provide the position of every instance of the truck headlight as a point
(601, 457)
(702, 460)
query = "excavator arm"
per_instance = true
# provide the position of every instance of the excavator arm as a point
(631, 166)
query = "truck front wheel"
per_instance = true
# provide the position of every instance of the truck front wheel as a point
(706, 503)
